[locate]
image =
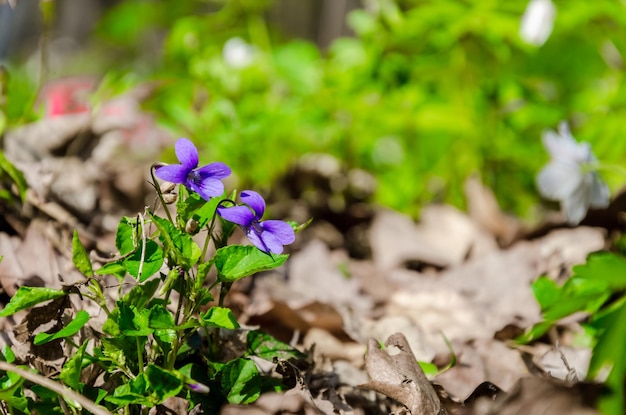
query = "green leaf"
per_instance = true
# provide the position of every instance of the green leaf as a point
(546, 291)
(121, 351)
(160, 317)
(608, 357)
(219, 317)
(240, 377)
(297, 227)
(82, 317)
(204, 296)
(70, 374)
(116, 268)
(80, 258)
(7, 354)
(201, 275)
(267, 347)
(9, 384)
(134, 392)
(16, 176)
(162, 383)
(237, 261)
(606, 267)
(26, 297)
(184, 250)
(165, 338)
(133, 322)
(429, 369)
(126, 239)
(141, 294)
(196, 208)
(3, 121)
(569, 305)
(535, 332)
(152, 261)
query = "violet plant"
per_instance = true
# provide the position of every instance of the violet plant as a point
(270, 235)
(164, 337)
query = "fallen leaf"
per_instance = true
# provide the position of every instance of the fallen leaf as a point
(400, 377)
(443, 237)
(534, 395)
(483, 207)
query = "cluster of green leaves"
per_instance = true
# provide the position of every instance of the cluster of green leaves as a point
(154, 345)
(13, 184)
(431, 90)
(597, 288)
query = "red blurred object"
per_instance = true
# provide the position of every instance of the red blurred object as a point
(67, 96)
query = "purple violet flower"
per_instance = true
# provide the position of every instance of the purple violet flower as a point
(270, 235)
(205, 180)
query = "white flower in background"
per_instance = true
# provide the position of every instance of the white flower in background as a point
(571, 177)
(237, 53)
(537, 22)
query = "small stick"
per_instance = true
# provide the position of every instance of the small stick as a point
(56, 387)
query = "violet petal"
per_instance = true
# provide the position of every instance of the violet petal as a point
(255, 201)
(187, 153)
(217, 170)
(241, 215)
(173, 173)
(271, 241)
(207, 188)
(283, 232)
(256, 239)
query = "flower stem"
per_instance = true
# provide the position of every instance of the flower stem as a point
(224, 289)
(139, 355)
(160, 194)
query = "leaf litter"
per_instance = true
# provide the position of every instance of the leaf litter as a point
(366, 294)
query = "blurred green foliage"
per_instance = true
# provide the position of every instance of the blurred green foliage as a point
(425, 94)
(596, 288)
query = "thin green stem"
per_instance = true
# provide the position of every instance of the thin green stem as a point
(181, 298)
(159, 193)
(205, 248)
(224, 289)
(139, 354)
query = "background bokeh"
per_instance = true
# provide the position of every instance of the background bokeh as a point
(422, 93)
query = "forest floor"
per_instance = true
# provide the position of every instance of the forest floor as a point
(453, 285)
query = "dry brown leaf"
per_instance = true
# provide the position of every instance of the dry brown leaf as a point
(387, 325)
(483, 207)
(443, 237)
(41, 139)
(485, 294)
(535, 395)
(32, 262)
(565, 363)
(315, 275)
(479, 361)
(328, 346)
(297, 400)
(400, 377)
(173, 405)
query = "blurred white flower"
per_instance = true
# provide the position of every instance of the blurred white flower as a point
(571, 177)
(537, 22)
(237, 53)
